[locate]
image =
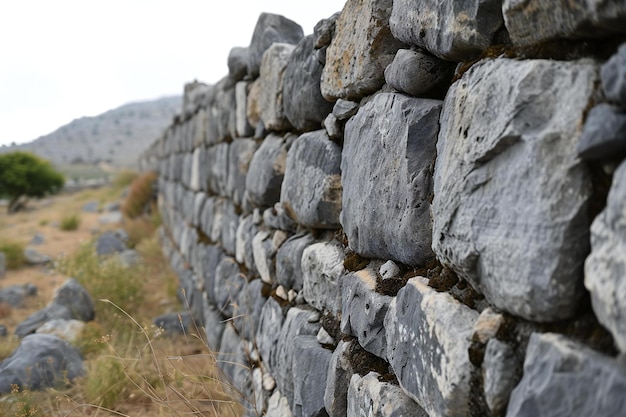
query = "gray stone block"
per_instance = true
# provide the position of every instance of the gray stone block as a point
(273, 67)
(340, 370)
(363, 311)
(232, 359)
(217, 161)
(213, 325)
(276, 217)
(510, 205)
(263, 251)
(604, 134)
(501, 373)
(270, 29)
(247, 310)
(322, 269)
(210, 256)
(310, 368)
(245, 234)
(428, 336)
(605, 266)
(240, 155)
(278, 406)
(289, 261)
(244, 129)
(565, 378)
(268, 332)
(454, 31)
(198, 205)
(368, 396)
(392, 139)
(229, 223)
(614, 76)
(267, 169)
(324, 30)
(238, 58)
(534, 22)
(229, 281)
(344, 109)
(298, 322)
(303, 104)
(361, 49)
(311, 190)
(417, 73)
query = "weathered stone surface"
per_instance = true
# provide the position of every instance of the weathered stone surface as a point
(510, 205)
(270, 29)
(428, 336)
(267, 169)
(303, 104)
(605, 266)
(311, 190)
(40, 361)
(247, 310)
(533, 21)
(417, 73)
(324, 30)
(238, 58)
(278, 406)
(454, 31)
(289, 261)
(310, 367)
(217, 161)
(334, 128)
(232, 359)
(322, 269)
(263, 252)
(69, 330)
(229, 280)
(344, 109)
(34, 257)
(268, 331)
(363, 311)
(39, 318)
(604, 134)
(76, 299)
(564, 378)
(213, 325)
(392, 139)
(276, 217)
(240, 154)
(282, 356)
(614, 76)
(272, 78)
(229, 224)
(340, 370)
(360, 50)
(244, 129)
(501, 373)
(91, 207)
(367, 396)
(253, 108)
(109, 243)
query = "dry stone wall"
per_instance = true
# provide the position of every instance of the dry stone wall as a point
(418, 210)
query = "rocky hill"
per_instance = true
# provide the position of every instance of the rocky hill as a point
(115, 137)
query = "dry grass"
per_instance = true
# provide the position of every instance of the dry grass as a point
(132, 370)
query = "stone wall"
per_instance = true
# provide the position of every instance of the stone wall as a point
(417, 210)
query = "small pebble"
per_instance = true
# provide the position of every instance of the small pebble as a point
(389, 270)
(292, 294)
(324, 338)
(281, 293)
(269, 383)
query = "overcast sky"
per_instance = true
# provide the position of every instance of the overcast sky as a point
(64, 59)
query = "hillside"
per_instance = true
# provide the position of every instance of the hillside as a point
(115, 137)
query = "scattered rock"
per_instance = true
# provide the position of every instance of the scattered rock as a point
(109, 244)
(14, 295)
(112, 217)
(69, 330)
(175, 323)
(37, 239)
(91, 207)
(34, 257)
(40, 361)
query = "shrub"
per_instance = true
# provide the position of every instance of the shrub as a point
(69, 223)
(140, 195)
(14, 253)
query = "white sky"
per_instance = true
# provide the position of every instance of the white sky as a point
(64, 59)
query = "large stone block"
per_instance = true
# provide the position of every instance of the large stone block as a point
(217, 162)
(340, 370)
(322, 268)
(289, 261)
(240, 154)
(229, 224)
(535, 21)
(510, 205)
(238, 58)
(363, 311)
(565, 378)
(229, 280)
(605, 267)
(213, 325)
(304, 106)
(298, 322)
(361, 48)
(247, 310)
(267, 169)
(310, 368)
(268, 332)
(245, 233)
(244, 129)
(386, 172)
(272, 78)
(311, 189)
(452, 30)
(501, 373)
(428, 336)
(270, 29)
(210, 257)
(368, 396)
(417, 73)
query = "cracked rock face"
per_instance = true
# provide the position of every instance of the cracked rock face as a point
(510, 205)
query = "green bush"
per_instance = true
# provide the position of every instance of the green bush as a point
(14, 253)
(69, 223)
